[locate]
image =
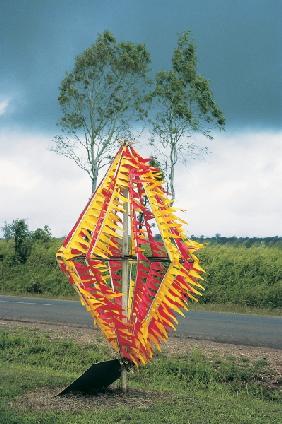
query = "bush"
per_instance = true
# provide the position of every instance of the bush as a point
(40, 274)
(243, 275)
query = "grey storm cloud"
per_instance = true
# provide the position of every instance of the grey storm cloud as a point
(238, 45)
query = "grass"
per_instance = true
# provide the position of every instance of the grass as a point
(235, 308)
(187, 388)
(235, 275)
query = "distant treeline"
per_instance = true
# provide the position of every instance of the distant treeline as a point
(240, 241)
(236, 272)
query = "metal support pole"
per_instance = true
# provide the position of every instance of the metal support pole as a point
(125, 252)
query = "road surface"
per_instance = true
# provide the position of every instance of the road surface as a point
(253, 330)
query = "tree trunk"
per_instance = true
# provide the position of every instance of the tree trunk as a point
(172, 159)
(94, 179)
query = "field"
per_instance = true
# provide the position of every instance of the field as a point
(190, 382)
(237, 276)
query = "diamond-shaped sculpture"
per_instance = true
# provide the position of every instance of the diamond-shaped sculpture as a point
(132, 284)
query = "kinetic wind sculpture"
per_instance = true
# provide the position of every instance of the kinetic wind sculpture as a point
(132, 284)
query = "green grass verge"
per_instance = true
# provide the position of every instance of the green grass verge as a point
(234, 308)
(191, 388)
(235, 275)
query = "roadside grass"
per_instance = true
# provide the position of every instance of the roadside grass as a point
(235, 275)
(235, 308)
(188, 388)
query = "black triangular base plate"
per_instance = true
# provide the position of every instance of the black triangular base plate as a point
(96, 379)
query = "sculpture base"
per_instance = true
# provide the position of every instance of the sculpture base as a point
(96, 379)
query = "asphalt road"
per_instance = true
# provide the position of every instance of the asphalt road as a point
(253, 330)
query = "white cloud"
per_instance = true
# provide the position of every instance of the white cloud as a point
(38, 185)
(235, 191)
(4, 106)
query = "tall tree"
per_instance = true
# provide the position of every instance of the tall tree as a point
(18, 230)
(24, 238)
(8, 231)
(183, 105)
(41, 235)
(101, 99)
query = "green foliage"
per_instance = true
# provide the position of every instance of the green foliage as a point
(18, 230)
(7, 230)
(240, 241)
(42, 234)
(39, 274)
(241, 275)
(28, 262)
(101, 98)
(22, 240)
(183, 104)
(235, 274)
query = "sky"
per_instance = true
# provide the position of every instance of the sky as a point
(235, 190)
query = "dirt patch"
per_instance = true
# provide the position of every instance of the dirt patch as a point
(47, 400)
